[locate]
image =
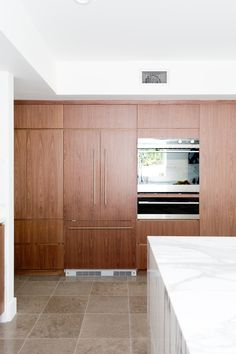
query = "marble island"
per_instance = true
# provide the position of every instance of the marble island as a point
(192, 295)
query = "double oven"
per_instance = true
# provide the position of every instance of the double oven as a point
(168, 179)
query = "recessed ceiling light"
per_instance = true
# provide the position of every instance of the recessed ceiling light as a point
(82, 2)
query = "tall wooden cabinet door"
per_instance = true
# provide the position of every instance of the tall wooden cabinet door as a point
(81, 174)
(118, 175)
(218, 170)
(20, 173)
(45, 174)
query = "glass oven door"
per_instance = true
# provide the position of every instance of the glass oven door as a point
(168, 169)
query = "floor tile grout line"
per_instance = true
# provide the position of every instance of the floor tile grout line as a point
(85, 311)
(39, 316)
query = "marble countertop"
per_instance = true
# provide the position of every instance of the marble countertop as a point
(199, 274)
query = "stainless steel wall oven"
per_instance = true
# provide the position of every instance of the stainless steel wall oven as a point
(172, 206)
(168, 165)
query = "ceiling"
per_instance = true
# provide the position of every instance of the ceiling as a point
(137, 29)
(58, 49)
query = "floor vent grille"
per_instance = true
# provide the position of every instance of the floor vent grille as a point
(123, 273)
(89, 273)
(100, 272)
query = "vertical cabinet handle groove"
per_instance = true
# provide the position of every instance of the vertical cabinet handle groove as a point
(105, 177)
(94, 178)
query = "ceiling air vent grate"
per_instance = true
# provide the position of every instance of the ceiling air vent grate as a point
(154, 77)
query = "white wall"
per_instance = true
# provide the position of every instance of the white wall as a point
(19, 29)
(185, 78)
(7, 188)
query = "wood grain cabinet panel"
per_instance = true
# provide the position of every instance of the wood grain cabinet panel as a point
(218, 170)
(173, 116)
(20, 173)
(39, 245)
(168, 133)
(100, 248)
(39, 231)
(82, 174)
(38, 116)
(39, 257)
(51, 257)
(166, 228)
(27, 257)
(2, 269)
(141, 256)
(100, 116)
(118, 175)
(45, 174)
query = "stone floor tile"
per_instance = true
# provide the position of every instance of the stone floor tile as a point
(57, 326)
(137, 288)
(110, 288)
(140, 346)
(19, 327)
(105, 326)
(37, 288)
(49, 346)
(138, 304)
(107, 304)
(73, 288)
(45, 278)
(103, 346)
(66, 304)
(10, 346)
(138, 325)
(31, 304)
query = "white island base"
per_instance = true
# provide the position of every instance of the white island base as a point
(192, 295)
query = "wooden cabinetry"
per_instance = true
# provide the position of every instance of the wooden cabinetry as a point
(82, 174)
(2, 269)
(168, 121)
(97, 152)
(100, 116)
(118, 175)
(38, 174)
(44, 173)
(168, 116)
(141, 256)
(218, 170)
(36, 116)
(20, 173)
(161, 228)
(100, 186)
(100, 245)
(39, 242)
(100, 174)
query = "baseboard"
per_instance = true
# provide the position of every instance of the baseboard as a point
(10, 311)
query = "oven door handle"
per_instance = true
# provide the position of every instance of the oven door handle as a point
(173, 150)
(169, 203)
